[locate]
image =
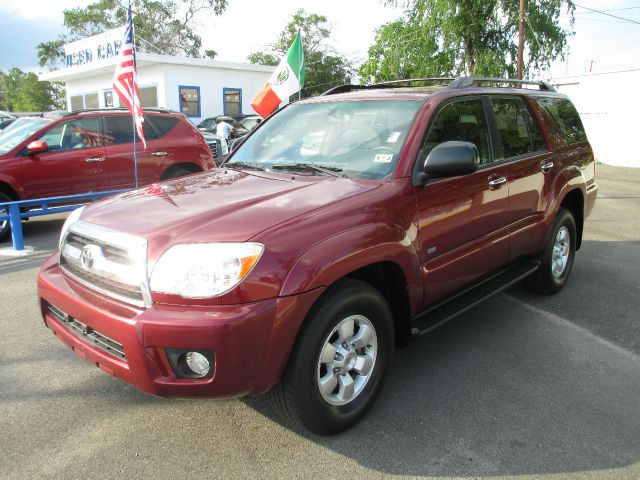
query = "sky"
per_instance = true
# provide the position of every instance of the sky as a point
(601, 43)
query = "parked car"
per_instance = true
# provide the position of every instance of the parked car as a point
(209, 125)
(93, 151)
(218, 145)
(5, 115)
(251, 121)
(6, 122)
(344, 226)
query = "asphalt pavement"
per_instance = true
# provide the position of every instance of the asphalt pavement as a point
(520, 386)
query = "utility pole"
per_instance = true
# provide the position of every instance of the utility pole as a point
(521, 42)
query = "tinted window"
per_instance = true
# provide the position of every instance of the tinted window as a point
(518, 131)
(120, 128)
(464, 121)
(75, 134)
(566, 117)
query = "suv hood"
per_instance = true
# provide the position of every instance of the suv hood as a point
(218, 206)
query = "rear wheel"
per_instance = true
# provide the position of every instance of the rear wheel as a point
(556, 257)
(5, 228)
(339, 360)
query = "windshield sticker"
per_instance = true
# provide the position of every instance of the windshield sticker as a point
(383, 158)
(393, 137)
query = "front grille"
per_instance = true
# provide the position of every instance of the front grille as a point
(88, 334)
(214, 148)
(107, 261)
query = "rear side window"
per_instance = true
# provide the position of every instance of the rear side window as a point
(464, 121)
(121, 128)
(519, 134)
(75, 134)
(160, 125)
(566, 117)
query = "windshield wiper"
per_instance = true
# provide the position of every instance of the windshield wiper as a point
(247, 165)
(326, 169)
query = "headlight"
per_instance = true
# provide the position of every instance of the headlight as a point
(203, 270)
(75, 215)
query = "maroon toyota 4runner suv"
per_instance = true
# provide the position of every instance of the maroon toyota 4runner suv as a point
(92, 151)
(341, 227)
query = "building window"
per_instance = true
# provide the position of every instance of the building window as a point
(190, 101)
(108, 99)
(232, 101)
(148, 96)
(77, 102)
(87, 100)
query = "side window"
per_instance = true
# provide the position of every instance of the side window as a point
(119, 129)
(75, 134)
(518, 131)
(566, 117)
(160, 126)
(464, 121)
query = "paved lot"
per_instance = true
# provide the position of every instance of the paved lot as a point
(526, 386)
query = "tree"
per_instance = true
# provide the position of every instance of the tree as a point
(23, 92)
(324, 68)
(161, 26)
(471, 37)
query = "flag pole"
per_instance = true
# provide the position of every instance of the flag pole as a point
(299, 65)
(133, 98)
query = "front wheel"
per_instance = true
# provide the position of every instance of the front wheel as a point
(556, 257)
(339, 360)
(5, 227)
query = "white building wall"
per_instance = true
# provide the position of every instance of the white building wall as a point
(608, 104)
(167, 77)
(212, 81)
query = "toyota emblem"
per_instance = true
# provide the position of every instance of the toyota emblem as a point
(88, 256)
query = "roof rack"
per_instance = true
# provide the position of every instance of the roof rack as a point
(392, 83)
(112, 109)
(466, 82)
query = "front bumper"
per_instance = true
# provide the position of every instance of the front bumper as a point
(251, 342)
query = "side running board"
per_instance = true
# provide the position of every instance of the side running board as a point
(448, 310)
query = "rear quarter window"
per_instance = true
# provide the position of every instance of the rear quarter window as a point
(566, 117)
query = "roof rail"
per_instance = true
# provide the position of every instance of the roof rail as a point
(391, 83)
(466, 82)
(113, 109)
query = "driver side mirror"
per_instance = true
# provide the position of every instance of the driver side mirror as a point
(37, 146)
(451, 159)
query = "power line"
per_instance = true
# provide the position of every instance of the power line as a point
(608, 14)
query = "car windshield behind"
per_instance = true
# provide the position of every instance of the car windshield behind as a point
(360, 139)
(20, 130)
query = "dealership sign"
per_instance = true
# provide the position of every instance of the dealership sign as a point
(96, 49)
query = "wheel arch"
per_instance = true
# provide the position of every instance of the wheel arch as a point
(574, 202)
(189, 166)
(9, 191)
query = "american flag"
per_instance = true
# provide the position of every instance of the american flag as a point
(125, 81)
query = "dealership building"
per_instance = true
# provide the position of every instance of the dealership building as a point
(197, 87)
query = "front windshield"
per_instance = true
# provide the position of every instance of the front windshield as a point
(20, 130)
(359, 139)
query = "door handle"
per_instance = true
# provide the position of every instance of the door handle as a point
(159, 154)
(546, 166)
(95, 159)
(497, 183)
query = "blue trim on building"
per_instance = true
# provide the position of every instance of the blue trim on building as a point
(180, 87)
(224, 103)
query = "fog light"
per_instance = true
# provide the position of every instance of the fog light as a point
(198, 363)
(189, 363)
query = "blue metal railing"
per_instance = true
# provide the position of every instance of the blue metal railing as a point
(48, 206)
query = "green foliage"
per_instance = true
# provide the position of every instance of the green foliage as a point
(23, 92)
(470, 37)
(161, 26)
(324, 68)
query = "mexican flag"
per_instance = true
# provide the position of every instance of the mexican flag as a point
(287, 79)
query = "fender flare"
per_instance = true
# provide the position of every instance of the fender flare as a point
(335, 257)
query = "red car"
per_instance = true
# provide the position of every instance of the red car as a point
(342, 226)
(92, 151)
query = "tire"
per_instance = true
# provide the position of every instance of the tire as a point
(350, 311)
(5, 227)
(175, 173)
(557, 256)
